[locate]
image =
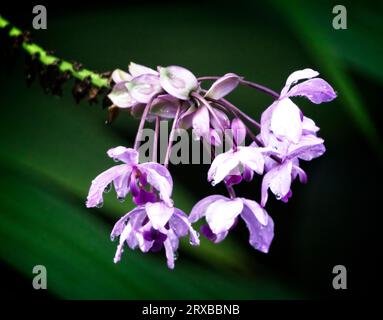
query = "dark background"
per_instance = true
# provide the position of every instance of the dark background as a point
(52, 148)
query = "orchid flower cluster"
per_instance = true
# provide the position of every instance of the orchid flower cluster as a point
(284, 137)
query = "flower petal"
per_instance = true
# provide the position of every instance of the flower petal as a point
(239, 131)
(286, 120)
(159, 177)
(259, 213)
(121, 223)
(308, 148)
(261, 236)
(137, 69)
(127, 155)
(308, 126)
(158, 213)
(199, 209)
(223, 86)
(252, 158)
(121, 97)
(278, 179)
(142, 88)
(180, 224)
(316, 90)
(95, 195)
(119, 75)
(201, 123)
(221, 214)
(222, 166)
(169, 254)
(165, 106)
(178, 81)
(295, 77)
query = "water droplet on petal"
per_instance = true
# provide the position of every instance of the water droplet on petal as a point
(112, 237)
(99, 205)
(121, 199)
(278, 196)
(175, 255)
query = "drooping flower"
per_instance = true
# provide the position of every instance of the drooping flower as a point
(221, 214)
(280, 174)
(283, 118)
(151, 227)
(132, 177)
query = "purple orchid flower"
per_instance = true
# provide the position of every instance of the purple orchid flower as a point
(132, 177)
(151, 227)
(240, 162)
(280, 175)
(283, 118)
(221, 214)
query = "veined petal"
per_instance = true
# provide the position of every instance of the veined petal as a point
(308, 148)
(223, 119)
(178, 81)
(316, 90)
(278, 179)
(138, 69)
(286, 120)
(266, 122)
(200, 207)
(127, 155)
(142, 88)
(121, 97)
(121, 223)
(223, 86)
(119, 75)
(222, 166)
(221, 214)
(296, 76)
(95, 195)
(158, 213)
(261, 235)
(159, 177)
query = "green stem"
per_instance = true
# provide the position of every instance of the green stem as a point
(46, 59)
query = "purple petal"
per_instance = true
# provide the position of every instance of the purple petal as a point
(221, 214)
(121, 185)
(295, 77)
(144, 87)
(239, 131)
(127, 155)
(301, 173)
(233, 179)
(261, 235)
(138, 109)
(222, 165)
(201, 123)
(316, 90)
(286, 121)
(308, 148)
(200, 207)
(159, 177)
(169, 254)
(137, 70)
(121, 97)
(247, 173)
(159, 213)
(120, 76)
(144, 197)
(224, 121)
(278, 180)
(178, 81)
(308, 126)
(186, 118)
(223, 86)
(121, 223)
(179, 223)
(260, 213)
(252, 158)
(165, 106)
(95, 195)
(266, 123)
